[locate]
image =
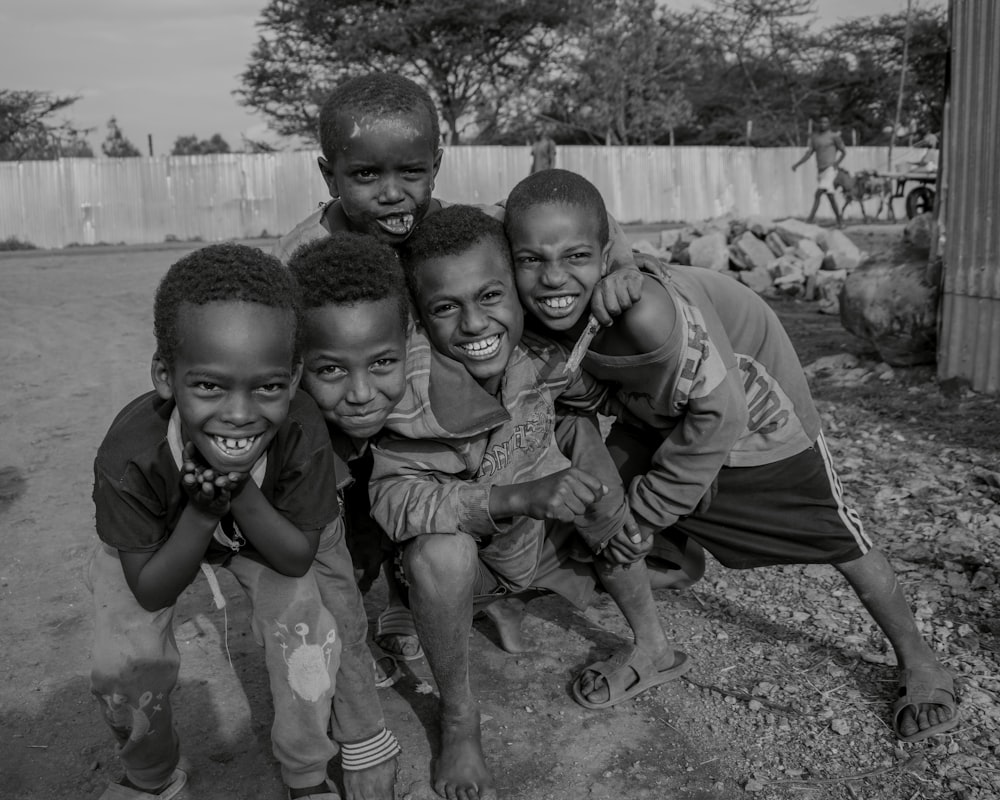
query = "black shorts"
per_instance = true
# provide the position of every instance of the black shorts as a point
(788, 512)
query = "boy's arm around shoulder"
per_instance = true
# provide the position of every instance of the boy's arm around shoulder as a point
(576, 390)
(423, 486)
(698, 380)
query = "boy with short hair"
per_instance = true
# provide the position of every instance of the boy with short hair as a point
(380, 138)
(703, 364)
(470, 481)
(223, 464)
(355, 324)
(381, 143)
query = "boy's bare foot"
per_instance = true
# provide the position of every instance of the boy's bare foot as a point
(660, 578)
(461, 772)
(507, 614)
(626, 674)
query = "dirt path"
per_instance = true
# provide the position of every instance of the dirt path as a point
(789, 697)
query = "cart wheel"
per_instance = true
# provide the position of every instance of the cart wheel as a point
(919, 201)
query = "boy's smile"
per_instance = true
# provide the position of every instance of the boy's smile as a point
(355, 363)
(557, 262)
(469, 308)
(384, 174)
(232, 379)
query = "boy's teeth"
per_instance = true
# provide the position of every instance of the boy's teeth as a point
(234, 445)
(483, 347)
(564, 301)
(398, 224)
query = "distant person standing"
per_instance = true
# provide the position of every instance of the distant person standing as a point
(830, 151)
(543, 152)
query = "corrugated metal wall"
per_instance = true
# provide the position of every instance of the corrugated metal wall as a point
(147, 200)
(970, 306)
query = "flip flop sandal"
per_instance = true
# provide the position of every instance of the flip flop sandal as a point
(628, 673)
(919, 687)
(116, 791)
(387, 671)
(394, 622)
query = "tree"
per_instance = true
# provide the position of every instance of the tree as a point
(623, 77)
(756, 62)
(870, 55)
(192, 146)
(471, 55)
(115, 145)
(28, 130)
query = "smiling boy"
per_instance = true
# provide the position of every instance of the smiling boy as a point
(355, 324)
(469, 479)
(223, 464)
(719, 401)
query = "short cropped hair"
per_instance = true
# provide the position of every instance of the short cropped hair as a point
(347, 268)
(225, 272)
(375, 94)
(558, 186)
(450, 232)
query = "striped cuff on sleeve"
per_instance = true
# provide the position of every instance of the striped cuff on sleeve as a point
(356, 756)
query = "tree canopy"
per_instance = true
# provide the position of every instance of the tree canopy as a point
(116, 145)
(611, 71)
(29, 129)
(471, 55)
(193, 146)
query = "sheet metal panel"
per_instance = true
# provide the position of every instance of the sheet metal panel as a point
(969, 345)
(237, 195)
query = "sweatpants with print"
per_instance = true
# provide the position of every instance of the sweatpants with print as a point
(136, 662)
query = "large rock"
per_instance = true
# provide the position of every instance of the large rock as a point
(893, 306)
(756, 254)
(792, 230)
(918, 233)
(709, 251)
(841, 252)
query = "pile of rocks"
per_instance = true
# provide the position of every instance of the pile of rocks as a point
(786, 256)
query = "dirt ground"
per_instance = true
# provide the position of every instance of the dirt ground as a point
(792, 686)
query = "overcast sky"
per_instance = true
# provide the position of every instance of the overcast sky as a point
(168, 68)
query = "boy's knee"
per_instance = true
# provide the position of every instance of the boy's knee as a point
(441, 558)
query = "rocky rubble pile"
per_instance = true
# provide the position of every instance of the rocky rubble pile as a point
(771, 257)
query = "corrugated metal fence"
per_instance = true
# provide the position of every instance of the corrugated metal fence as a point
(149, 200)
(970, 305)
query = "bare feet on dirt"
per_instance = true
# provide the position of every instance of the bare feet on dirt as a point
(460, 772)
(507, 615)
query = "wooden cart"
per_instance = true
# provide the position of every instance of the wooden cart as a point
(920, 196)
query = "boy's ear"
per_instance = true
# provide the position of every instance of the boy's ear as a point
(326, 168)
(296, 377)
(437, 165)
(162, 378)
(606, 258)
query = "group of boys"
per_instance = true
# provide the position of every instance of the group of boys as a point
(441, 435)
